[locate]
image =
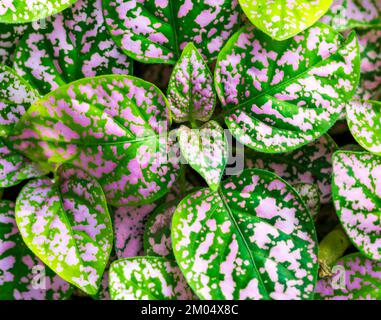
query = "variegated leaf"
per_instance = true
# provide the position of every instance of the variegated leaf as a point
(22, 275)
(72, 45)
(282, 19)
(67, 225)
(15, 168)
(370, 48)
(10, 35)
(191, 93)
(147, 278)
(356, 191)
(157, 232)
(20, 11)
(16, 95)
(310, 194)
(310, 164)
(252, 239)
(129, 225)
(278, 96)
(349, 14)
(205, 150)
(156, 31)
(364, 120)
(111, 126)
(362, 280)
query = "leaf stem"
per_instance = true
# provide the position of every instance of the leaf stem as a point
(331, 248)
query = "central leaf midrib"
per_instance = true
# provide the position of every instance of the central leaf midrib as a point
(272, 90)
(231, 217)
(174, 26)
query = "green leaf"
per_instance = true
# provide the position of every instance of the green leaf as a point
(349, 14)
(357, 197)
(205, 150)
(361, 276)
(111, 126)
(364, 121)
(147, 278)
(156, 31)
(67, 225)
(370, 48)
(310, 164)
(71, 45)
(16, 95)
(10, 35)
(22, 275)
(282, 19)
(252, 239)
(20, 11)
(278, 96)
(157, 232)
(191, 93)
(310, 194)
(15, 168)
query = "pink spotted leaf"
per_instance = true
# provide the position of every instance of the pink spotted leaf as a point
(191, 93)
(311, 164)
(67, 225)
(356, 278)
(279, 96)
(205, 150)
(20, 268)
(357, 197)
(114, 127)
(157, 232)
(129, 225)
(349, 14)
(364, 121)
(253, 239)
(73, 44)
(15, 168)
(16, 95)
(147, 278)
(156, 31)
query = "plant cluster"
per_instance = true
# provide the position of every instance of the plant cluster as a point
(190, 149)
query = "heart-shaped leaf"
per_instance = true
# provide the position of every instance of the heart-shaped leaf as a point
(19, 11)
(310, 194)
(282, 19)
(357, 278)
(191, 93)
(205, 150)
(129, 229)
(10, 35)
(67, 225)
(16, 95)
(279, 96)
(310, 164)
(147, 278)
(72, 45)
(22, 275)
(349, 14)
(252, 239)
(157, 232)
(356, 191)
(111, 126)
(364, 120)
(15, 168)
(370, 48)
(156, 31)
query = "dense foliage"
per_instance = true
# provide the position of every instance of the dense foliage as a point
(190, 149)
